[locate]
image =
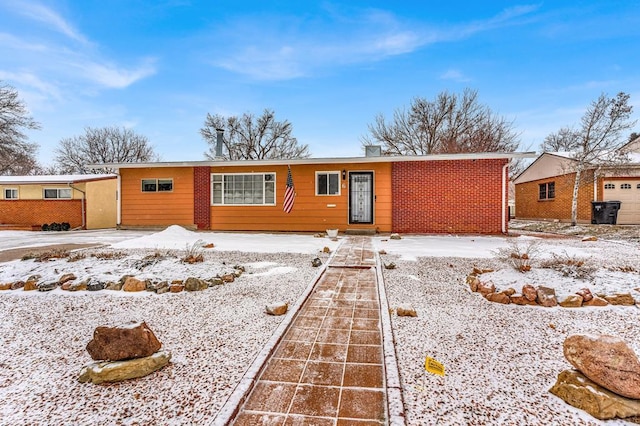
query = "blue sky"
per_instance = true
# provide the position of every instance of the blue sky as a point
(328, 67)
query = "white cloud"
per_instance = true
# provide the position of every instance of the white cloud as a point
(454, 75)
(38, 12)
(112, 76)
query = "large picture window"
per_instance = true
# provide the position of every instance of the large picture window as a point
(10, 194)
(547, 191)
(327, 183)
(57, 193)
(243, 189)
(157, 185)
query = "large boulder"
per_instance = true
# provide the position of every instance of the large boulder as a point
(132, 284)
(577, 390)
(499, 297)
(116, 371)
(571, 301)
(132, 340)
(485, 288)
(406, 311)
(529, 292)
(278, 308)
(624, 299)
(595, 301)
(606, 360)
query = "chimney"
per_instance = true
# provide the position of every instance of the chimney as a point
(219, 133)
(372, 151)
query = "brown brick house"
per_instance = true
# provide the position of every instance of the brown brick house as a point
(453, 193)
(83, 201)
(544, 190)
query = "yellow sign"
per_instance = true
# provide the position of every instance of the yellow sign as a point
(433, 366)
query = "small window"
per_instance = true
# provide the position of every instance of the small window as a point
(10, 194)
(57, 193)
(327, 183)
(609, 186)
(157, 185)
(243, 189)
(547, 191)
(638, 186)
(625, 186)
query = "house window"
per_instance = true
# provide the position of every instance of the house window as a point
(547, 191)
(243, 189)
(625, 186)
(609, 186)
(327, 183)
(157, 185)
(638, 186)
(57, 193)
(10, 194)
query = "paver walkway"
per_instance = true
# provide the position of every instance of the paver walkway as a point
(329, 367)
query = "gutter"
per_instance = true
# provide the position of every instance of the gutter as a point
(84, 195)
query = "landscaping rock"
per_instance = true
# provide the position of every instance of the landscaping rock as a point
(127, 341)
(585, 293)
(132, 284)
(473, 282)
(519, 299)
(590, 238)
(509, 291)
(117, 371)
(546, 297)
(596, 301)
(395, 237)
(606, 360)
(279, 308)
(5, 286)
(176, 288)
(215, 281)
(116, 286)
(326, 249)
(316, 262)
(228, 278)
(624, 299)
(577, 390)
(500, 297)
(51, 285)
(389, 265)
(96, 286)
(162, 287)
(485, 288)
(571, 301)
(81, 286)
(17, 285)
(529, 292)
(195, 284)
(30, 285)
(67, 277)
(406, 311)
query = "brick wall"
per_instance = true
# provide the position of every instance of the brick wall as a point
(202, 197)
(461, 196)
(39, 212)
(529, 206)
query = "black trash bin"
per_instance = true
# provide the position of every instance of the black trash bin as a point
(604, 212)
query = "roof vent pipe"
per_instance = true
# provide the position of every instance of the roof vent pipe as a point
(220, 134)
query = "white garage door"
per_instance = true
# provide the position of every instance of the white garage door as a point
(627, 192)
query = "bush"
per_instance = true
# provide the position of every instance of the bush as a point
(520, 256)
(55, 226)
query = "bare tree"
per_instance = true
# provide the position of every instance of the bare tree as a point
(449, 124)
(102, 145)
(598, 139)
(564, 140)
(252, 138)
(17, 154)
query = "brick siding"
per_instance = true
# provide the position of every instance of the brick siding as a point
(39, 212)
(529, 206)
(202, 197)
(461, 196)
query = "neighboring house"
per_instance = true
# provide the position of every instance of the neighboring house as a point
(83, 201)
(457, 193)
(544, 190)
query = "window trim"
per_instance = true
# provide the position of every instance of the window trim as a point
(328, 172)
(263, 174)
(609, 185)
(4, 194)
(157, 180)
(57, 197)
(548, 195)
(626, 185)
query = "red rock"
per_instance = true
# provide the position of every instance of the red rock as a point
(228, 278)
(607, 360)
(519, 299)
(473, 282)
(509, 291)
(571, 301)
(30, 285)
(529, 292)
(485, 288)
(66, 277)
(176, 288)
(585, 293)
(279, 308)
(547, 297)
(624, 299)
(499, 298)
(406, 311)
(133, 340)
(5, 286)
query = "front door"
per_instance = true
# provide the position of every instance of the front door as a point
(361, 197)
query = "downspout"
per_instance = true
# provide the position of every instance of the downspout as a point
(504, 196)
(84, 194)
(595, 184)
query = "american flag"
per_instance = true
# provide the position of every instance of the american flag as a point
(289, 194)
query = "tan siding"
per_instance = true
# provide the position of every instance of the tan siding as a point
(101, 204)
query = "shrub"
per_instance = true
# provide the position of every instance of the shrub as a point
(520, 256)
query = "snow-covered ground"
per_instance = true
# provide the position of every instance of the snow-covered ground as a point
(500, 359)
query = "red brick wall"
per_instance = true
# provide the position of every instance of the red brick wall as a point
(461, 196)
(529, 206)
(39, 212)
(202, 197)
